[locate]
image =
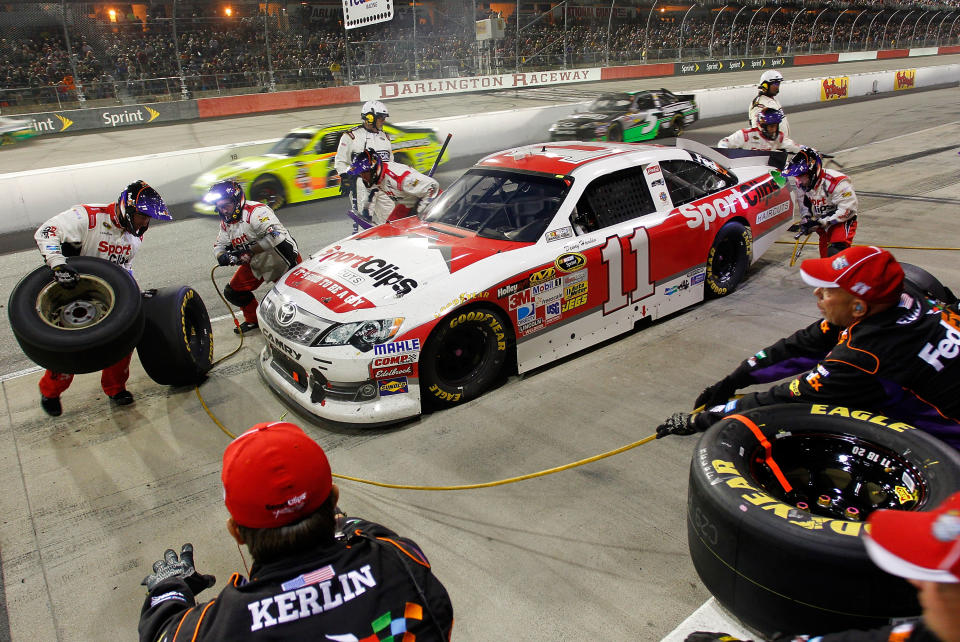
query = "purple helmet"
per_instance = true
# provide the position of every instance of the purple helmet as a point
(769, 117)
(230, 191)
(806, 162)
(367, 162)
(140, 198)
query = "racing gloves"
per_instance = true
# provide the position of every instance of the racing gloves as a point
(234, 257)
(346, 184)
(805, 227)
(170, 566)
(720, 392)
(66, 276)
(685, 423)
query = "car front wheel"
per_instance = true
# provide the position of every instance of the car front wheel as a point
(464, 356)
(268, 189)
(729, 259)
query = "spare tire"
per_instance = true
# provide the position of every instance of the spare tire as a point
(927, 283)
(84, 329)
(792, 562)
(177, 344)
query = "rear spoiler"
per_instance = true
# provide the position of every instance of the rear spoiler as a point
(733, 158)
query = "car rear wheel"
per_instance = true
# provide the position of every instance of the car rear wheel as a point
(676, 127)
(268, 189)
(729, 259)
(776, 504)
(464, 356)
(615, 134)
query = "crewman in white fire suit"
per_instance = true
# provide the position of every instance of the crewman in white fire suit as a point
(112, 232)
(828, 205)
(766, 98)
(406, 189)
(252, 237)
(765, 136)
(368, 134)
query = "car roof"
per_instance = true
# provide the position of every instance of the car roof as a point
(563, 157)
(313, 129)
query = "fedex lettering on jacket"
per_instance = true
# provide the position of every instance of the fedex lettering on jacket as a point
(745, 196)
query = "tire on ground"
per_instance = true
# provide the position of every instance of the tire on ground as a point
(464, 356)
(927, 283)
(267, 189)
(85, 329)
(728, 259)
(177, 344)
(792, 571)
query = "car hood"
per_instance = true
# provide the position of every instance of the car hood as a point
(391, 264)
(587, 117)
(239, 167)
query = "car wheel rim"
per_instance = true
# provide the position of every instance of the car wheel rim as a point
(462, 355)
(269, 195)
(725, 259)
(839, 476)
(86, 305)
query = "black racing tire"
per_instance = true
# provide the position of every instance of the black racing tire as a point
(676, 127)
(728, 260)
(464, 356)
(85, 329)
(615, 133)
(927, 283)
(783, 568)
(267, 189)
(177, 344)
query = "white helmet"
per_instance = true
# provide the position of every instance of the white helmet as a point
(770, 77)
(373, 109)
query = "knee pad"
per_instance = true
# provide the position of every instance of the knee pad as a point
(236, 297)
(836, 248)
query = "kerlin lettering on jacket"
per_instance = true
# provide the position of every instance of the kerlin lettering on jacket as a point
(290, 606)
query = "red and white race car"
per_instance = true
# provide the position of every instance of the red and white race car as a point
(538, 251)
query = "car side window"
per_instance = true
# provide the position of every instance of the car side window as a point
(328, 144)
(687, 181)
(615, 198)
(644, 102)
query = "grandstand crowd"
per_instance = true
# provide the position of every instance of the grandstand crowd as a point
(128, 57)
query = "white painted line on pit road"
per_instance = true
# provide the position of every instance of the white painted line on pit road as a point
(887, 140)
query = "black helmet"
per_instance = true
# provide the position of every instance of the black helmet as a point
(140, 198)
(227, 199)
(806, 162)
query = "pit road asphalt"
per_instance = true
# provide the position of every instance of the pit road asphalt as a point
(92, 498)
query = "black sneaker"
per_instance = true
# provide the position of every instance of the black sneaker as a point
(246, 327)
(51, 405)
(122, 398)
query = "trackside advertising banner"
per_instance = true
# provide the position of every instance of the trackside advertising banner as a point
(58, 122)
(433, 87)
(905, 79)
(732, 64)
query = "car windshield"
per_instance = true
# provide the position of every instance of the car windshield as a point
(610, 103)
(291, 144)
(501, 204)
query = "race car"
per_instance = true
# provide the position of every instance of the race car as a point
(629, 117)
(535, 253)
(13, 130)
(299, 166)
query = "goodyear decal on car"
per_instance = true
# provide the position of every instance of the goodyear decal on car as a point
(570, 262)
(396, 386)
(753, 496)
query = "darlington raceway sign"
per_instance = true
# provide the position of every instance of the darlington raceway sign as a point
(416, 88)
(734, 64)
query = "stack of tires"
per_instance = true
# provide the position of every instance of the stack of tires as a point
(105, 317)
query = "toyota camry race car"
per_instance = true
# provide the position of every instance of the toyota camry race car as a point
(539, 252)
(299, 166)
(631, 116)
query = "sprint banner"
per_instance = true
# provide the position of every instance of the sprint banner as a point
(732, 64)
(72, 120)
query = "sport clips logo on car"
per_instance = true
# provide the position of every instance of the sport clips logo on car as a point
(382, 272)
(746, 196)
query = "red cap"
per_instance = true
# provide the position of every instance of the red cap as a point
(865, 271)
(274, 475)
(917, 545)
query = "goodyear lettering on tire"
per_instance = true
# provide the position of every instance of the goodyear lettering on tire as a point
(440, 393)
(485, 318)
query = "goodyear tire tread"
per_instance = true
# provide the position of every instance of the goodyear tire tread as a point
(177, 344)
(728, 259)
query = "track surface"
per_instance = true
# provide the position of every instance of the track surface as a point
(599, 552)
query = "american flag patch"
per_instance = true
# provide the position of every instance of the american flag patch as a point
(313, 577)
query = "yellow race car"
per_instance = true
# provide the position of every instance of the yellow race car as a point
(299, 167)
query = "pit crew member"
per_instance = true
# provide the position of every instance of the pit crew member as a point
(765, 136)
(766, 98)
(879, 347)
(921, 547)
(828, 202)
(252, 237)
(406, 190)
(316, 574)
(112, 232)
(368, 134)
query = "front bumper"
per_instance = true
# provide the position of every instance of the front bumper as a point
(321, 395)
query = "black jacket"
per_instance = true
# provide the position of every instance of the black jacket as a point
(367, 584)
(904, 362)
